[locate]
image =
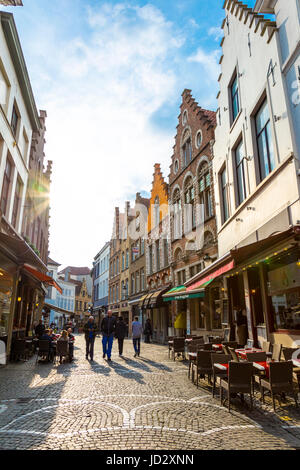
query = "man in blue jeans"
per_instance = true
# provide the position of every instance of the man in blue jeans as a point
(108, 327)
(137, 329)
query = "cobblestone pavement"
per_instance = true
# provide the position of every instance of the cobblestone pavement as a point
(130, 403)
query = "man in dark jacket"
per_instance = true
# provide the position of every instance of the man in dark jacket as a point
(39, 329)
(90, 330)
(108, 326)
(121, 332)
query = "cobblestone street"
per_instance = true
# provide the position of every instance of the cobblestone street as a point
(130, 403)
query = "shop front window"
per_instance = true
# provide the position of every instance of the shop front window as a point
(217, 310)
(6, 287)
(284, 292)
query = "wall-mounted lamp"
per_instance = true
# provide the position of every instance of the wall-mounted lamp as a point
(277, 118)
(249, 158)
(249, 208)
(239, 220)
(225, 109)
(19, 299)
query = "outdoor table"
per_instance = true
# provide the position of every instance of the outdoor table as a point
(217, 347)
(263, 367)
(188, 340)
(242, 352)
(193, 355)
(296, 362)
(222, 367)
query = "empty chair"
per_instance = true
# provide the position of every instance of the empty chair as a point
(178, 347)
(288, 353)
(233, 354)
(19, 349)
(43, 349)
(218, 359)
(232, 344)
(202, 366)
(239, 381)
(276, 354)
(192, 347)
(280, 381)
(266, 346)
(256, 357)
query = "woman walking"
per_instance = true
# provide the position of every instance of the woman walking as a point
(120, 333)
(148, 330)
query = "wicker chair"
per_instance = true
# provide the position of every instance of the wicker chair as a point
(43, 349)
(276, 354)
(207, 347)
(178, 347)
(256, 356)
(288, 355)
(219, 359)
(62, 350)
(192, 347)
(202, 366)
(233, 354)
(239, 381)
(280, 382)
(231, 344)
(19, 350)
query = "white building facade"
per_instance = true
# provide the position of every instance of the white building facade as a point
(101, 278)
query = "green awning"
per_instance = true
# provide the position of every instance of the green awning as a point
(205, 284)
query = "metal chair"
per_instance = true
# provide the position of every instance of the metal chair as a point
(280, 382)
(239, 381)
(218, 359)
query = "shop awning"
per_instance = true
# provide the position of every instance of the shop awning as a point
(147, 300)
(210, 277)
(42, 277)
(20, 251)
(142, 300)
(157, 297)
(58, 309)
(181, 293)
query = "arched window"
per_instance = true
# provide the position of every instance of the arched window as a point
(205, 196)
(189, 200)
(123, 261)
(186, 148)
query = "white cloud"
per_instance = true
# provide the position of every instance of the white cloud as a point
(209, 61)
(217, 32)
(105, 90)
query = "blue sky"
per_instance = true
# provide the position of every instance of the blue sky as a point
(110, 75)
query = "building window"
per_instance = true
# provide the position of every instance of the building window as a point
(187, 152)
(240, 173)
(6, 187)
(156, 211)
(177, 219)
(166, 251)
(123, 261)
(224, 197)
(137, 281)
(150, 259)
(205, 196)
(264, 141)
(127, 258)
(142, 246)
(184, 117)
(17, 203)
(157, 255)
(176, 166)
(198, 139)
(142, 279)
(132, 284)
(189, 198)
(14, 121)
(235, 103)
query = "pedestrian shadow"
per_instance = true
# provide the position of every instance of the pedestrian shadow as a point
(157, 365)
(136, 364)
(124, 372)
(99, 368)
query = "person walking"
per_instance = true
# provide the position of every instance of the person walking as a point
(148, 330)
(120, 333)
(108, 326)
(137, 329)
(90, 330)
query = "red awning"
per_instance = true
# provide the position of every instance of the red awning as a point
(213, 275)
(42, 277)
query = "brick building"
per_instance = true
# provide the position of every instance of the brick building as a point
(137, 271)
(158, 258)
(192, 219)
(114, 295)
